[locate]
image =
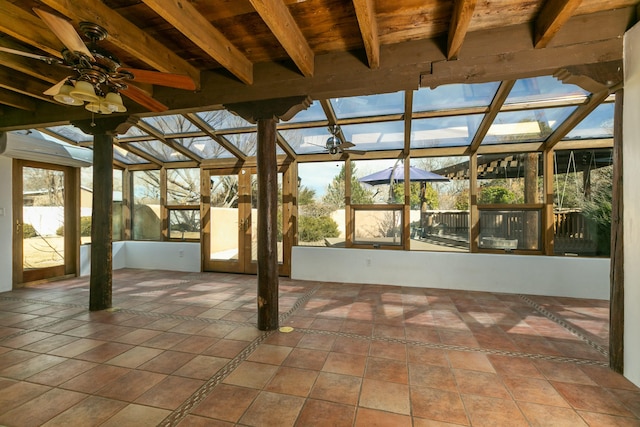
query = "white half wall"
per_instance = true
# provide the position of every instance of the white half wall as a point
(631, 200)
(119, 257)
(534, 275)
(6, 222)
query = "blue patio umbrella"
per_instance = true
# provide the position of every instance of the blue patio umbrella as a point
(396, 174)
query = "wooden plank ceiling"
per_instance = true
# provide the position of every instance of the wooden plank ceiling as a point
(246, 50)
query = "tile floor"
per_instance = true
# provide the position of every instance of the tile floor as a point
(182, 349)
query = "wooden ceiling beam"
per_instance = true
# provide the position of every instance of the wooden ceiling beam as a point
(286, 147)
(16, 100)
(460, 20)
(186, 19)
(28, 28)
(279, 20)
(32, 67)
(576, 117)
(126, 36)
(554, 14)
(494, 108)
(25, 85)
(366, 14)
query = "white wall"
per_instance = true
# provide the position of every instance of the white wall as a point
(119, 257)
(177, 256)
(6, 221)
(537, 275)
(631, 200)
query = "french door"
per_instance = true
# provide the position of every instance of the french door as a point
(45, 217)
(230, 225)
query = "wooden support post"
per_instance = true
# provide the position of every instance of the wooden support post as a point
(266, 114)
(267, 225)
(100, 281)
(616, 300)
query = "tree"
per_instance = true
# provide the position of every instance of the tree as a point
(335, 195)
(306, 196)
(495, 193)
(430, 195)
(598, 210)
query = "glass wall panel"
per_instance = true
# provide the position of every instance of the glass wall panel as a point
(510, 229)
(160, 151)
(204, 147)
(171, 124)
(582, 197)
(307, 140)
(452, 131)
(439, 204)
(510, 178)
(183, 186)
(224, 120)
(118, 219)
(321, 204)
(146, 205)
(454, 96)
(598, 124)
(376, 136)
(86, 204)
(225, 242)
(184, 224)
(526, 126)
(378, 227)
(542, 88)
(377, 182)
(370, 105)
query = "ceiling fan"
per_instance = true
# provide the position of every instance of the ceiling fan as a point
(99, 76)
(336, 145)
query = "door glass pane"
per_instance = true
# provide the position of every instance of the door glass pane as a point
(224, 217)
(43, 218)
(254, 219)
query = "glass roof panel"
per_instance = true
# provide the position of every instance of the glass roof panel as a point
(171, 124)
(454, 96)
(245, 142)
(526, 126)
(598, 124)
(370, 105)
(314, 113)
(223, 119)
(454, 131)
(376, 136)
(542, 88)
(204, 147)
(71, 132)
(160, 151)
(307, 140)
(133, 131)
(127, 157)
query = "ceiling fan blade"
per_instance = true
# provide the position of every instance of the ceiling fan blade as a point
(48, 59)
(139, 96)
(55, 89)
(347, 144)
(65, 32)
(177, 81)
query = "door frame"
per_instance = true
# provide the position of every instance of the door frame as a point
(71, 225)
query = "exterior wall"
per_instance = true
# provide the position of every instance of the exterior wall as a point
(631, 178)
(534, 275)
(6, 221)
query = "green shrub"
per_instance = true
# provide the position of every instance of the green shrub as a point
(28, 231)
(60, 231)
(313, 229)
(85, 226)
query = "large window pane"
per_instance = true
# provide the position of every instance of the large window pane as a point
(118, 222)
(184, 224)
(183, 186)
(377, 227)
(146, 205)
(510, 178)
(321, 214)
(510, 229)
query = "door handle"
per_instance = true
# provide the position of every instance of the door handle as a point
(18, 226)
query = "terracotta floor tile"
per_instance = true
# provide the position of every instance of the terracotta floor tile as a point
(25, 339)
(591, 398)
(630, 398)
(134, 357)
(76, 347)
(273, 409)
(347, 364)
(226, 402)
(271, 354)
(541, 415)
(306, 359)
(385, 396)
(439, 377)
(14, 394)
(493, 412)
(351, 346)
(388, 350)
(244, 333)
(170, 393)
(49, 344)
(423, 422)
(595, 419)
(319, 413)
(94, 379)
(470, 360)
(165, 340)
(337, 388)
(251, 374)
(41, 409)
(387, 370)
(13, 357)
(137, 415)
(605, 377)
(104, 352)
(480, 383)
(317, 342)
(130, 386)
(195, 344)
(92, 411)
(438, 405)
(31, 366)
(358, 328)
(216, 330)
(201, 367)
(62, 372)
(138, 336)
(167, 362)
(225, 348)
(297, 382)
(534, 390)
(427, 356)
(373, 418)
(196, 421)
(514, 366)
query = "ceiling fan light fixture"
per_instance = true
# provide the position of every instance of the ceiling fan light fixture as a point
(64, 96)
(85, 92)
(99, 107)
(114, 104)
